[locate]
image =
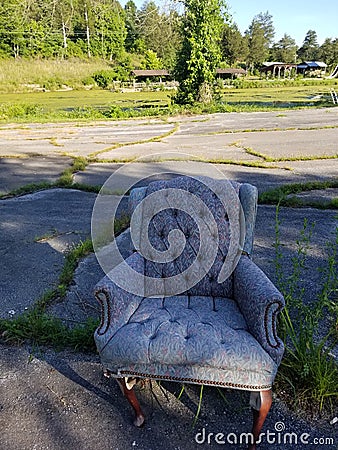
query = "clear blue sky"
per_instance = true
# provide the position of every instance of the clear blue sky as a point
(294, 17)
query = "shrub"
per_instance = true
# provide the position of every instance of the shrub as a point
(103, 78)
(19, 110)
(85, 112)
(114, 112)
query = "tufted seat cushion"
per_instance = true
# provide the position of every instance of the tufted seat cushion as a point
(189, 338)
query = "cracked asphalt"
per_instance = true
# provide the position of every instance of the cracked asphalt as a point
(60, 400)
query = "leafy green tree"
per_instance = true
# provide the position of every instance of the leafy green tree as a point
(42, 28)
(12, 28)
(171, 39)
(284, 50)
(62, 20)
(151, 61)
(110, 29)
(234, 46)
(309, 51)
(200, 52)
(133, 31)
(149, 23)
(160, 32)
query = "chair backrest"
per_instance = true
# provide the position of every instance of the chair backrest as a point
(199, 208)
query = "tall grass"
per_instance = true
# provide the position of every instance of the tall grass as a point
(21, 75)
(308, 374)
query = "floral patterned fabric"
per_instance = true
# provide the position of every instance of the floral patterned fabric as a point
(213, 333)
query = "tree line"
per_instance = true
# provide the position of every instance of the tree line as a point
(102, 28)
(191, 42)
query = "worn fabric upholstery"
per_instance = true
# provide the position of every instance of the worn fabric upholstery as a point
(214, 333)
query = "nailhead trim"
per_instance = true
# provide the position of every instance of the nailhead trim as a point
(195, 381)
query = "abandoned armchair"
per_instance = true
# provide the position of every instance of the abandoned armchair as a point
(189, 305)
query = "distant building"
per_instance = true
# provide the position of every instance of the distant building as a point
(230, 73)
(278, 69)
(150, 74)
(311, 66)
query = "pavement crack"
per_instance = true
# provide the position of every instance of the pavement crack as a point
(141, 141)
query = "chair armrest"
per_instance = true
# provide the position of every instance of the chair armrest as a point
(117, 305)
(260, 302)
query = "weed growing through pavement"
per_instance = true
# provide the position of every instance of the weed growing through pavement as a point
(40, 328)
(282, 195)
(308, 374)
(66, 179)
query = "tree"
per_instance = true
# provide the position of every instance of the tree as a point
(171, 38)
(265, 20)
(234, 46)
(12, 28)
(110, 29)
(133, 33)
(151, 61)
(310, 49)
(258, 50)
(284, 50)
(200, 52)
(260, 35)
(328, 52)
(160, 32)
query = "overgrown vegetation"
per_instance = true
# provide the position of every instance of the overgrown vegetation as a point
(285, 195)
(64, 181)
(245, 83)
(200, 53)
(53, 109)
(26, 75)
(39, 328)
(101, 29)
(308, 375)
(99, 43)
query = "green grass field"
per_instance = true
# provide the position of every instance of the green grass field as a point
(96, 98)
(293, 95)
(83, 100)
(96, 103)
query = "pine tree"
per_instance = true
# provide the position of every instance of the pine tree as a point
(260, 35)
(309, 50)
(284, 50)
(233, 45)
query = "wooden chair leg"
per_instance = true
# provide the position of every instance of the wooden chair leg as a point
(132, 399)
(259, 416)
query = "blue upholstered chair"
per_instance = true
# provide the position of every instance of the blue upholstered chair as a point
(214, 325)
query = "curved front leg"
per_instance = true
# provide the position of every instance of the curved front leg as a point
(129, 393)
(259, 416)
